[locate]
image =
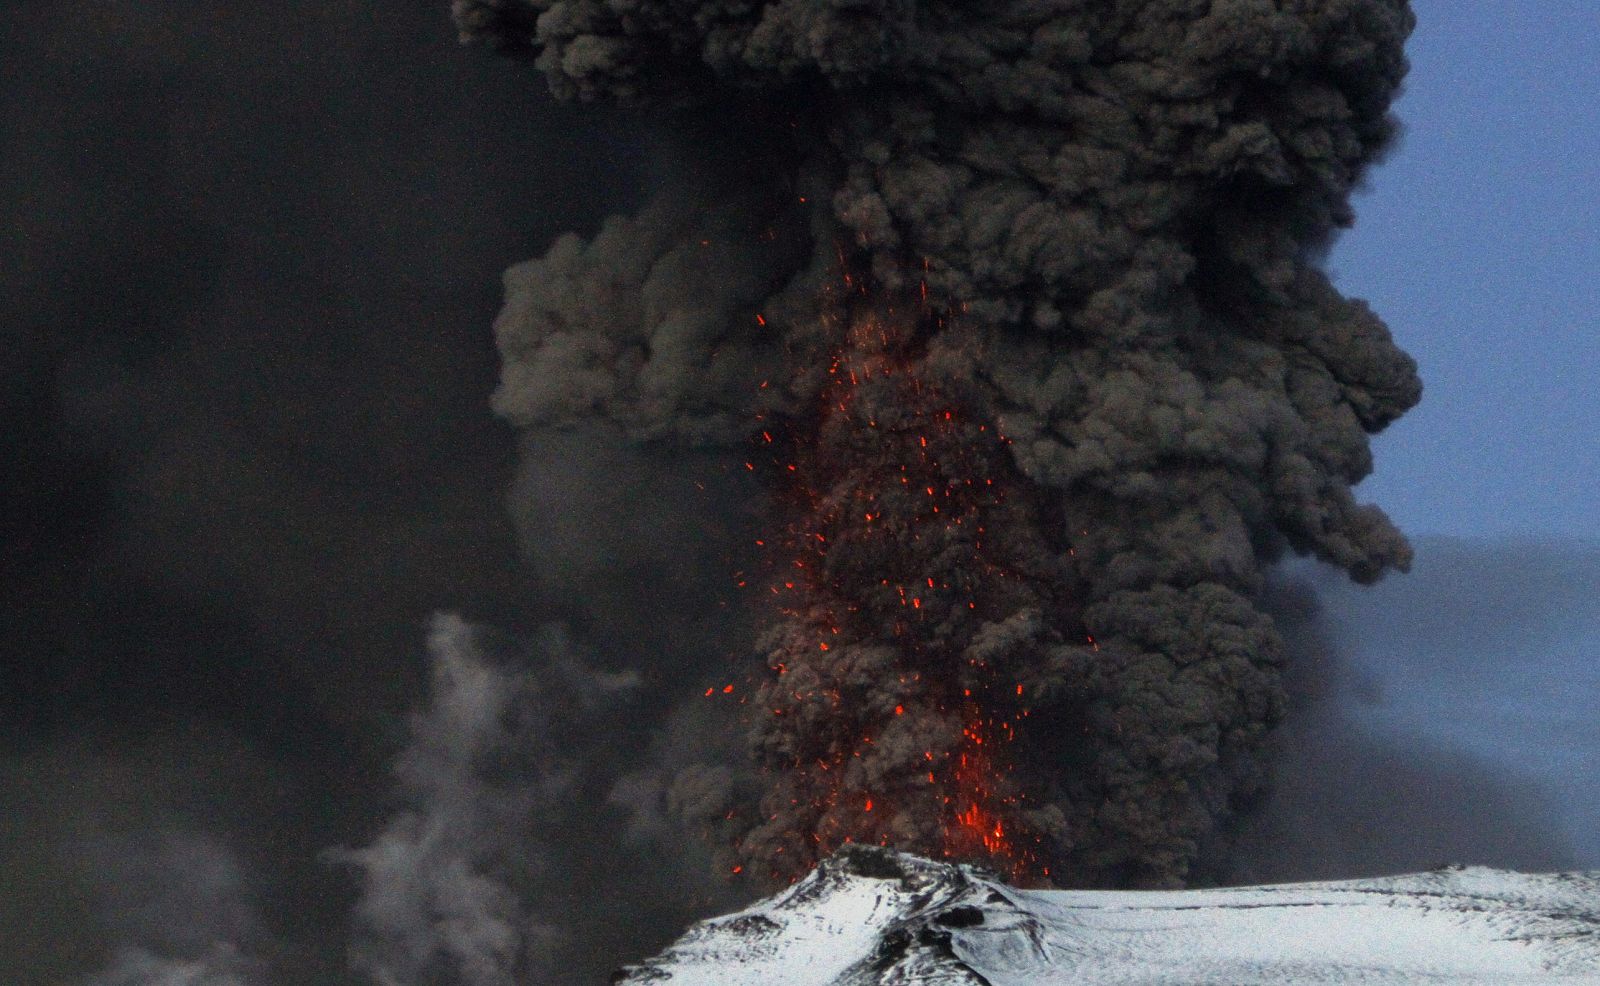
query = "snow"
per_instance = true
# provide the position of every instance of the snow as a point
(873, 917)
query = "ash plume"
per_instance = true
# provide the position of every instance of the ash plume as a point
(1017, 308)
(1061, 250)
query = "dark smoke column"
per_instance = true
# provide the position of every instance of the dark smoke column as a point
(1090, 227)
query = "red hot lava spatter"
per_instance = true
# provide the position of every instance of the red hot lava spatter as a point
(915, 593)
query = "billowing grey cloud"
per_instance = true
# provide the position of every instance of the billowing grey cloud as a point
(1065, 252)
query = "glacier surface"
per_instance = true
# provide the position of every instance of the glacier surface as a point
(874, 917)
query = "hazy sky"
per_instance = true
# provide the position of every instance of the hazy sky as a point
(1479, 242)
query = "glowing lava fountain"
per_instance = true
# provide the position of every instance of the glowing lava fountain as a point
(914, 572)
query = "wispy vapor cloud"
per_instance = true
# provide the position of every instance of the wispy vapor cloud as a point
(221, 966)
(451, 885)
(182, 906)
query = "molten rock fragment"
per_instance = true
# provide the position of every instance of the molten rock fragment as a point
(1053, 263)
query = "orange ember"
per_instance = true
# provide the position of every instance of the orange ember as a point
(899, 728)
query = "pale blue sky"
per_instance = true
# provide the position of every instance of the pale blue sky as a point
(1479, 242)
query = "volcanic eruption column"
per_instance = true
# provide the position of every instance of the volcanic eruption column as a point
(1016, 306)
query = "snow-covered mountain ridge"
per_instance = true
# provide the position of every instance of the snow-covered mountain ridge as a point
(873, 917)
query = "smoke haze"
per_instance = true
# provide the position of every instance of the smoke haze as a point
(1349, 799)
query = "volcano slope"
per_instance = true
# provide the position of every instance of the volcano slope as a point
(873, 917)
